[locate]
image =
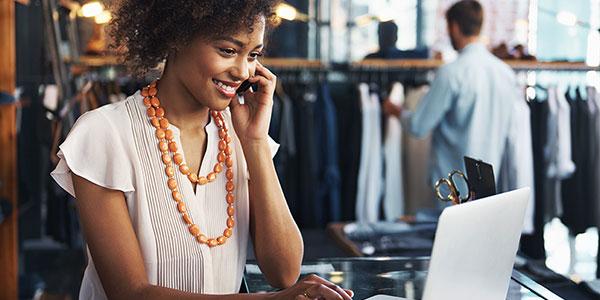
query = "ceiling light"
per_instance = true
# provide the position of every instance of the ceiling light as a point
(92, 9)
(103, 18)
(286, 11)
(566, 18)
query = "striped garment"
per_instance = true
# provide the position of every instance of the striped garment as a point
(114, 146)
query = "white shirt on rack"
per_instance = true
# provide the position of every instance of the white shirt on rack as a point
(370, 176)
(393, 201)
(114, 146)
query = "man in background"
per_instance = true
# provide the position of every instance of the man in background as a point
(387, 33)
(469, 102)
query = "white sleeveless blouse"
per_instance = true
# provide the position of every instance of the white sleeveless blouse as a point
(114, 146)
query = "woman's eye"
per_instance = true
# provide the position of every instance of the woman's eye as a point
(255, 55)
(227, 51)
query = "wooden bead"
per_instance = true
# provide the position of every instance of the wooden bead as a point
(228, 232)
(169, 135)
(169, 171)
(229, 162)
(184, 169)
(166, 158)
(230, 198)
(230, 210)
(194, 230)
(172, 183)
(181, 207)
(229, 186)
(218, 168)
(144, 92)
(229, 174)
(147, 102)
(212, 243)
(160, 112)
(228, 150)
(154, 121)
(222, 145)
(187, 219)
(202, 180)
(177, 196)
(221, 157)
(151, 112)
(222, 133)
(152, 84)
(228, 139)
(221, 240)
(160, 134)
(211, 177)
(214, 114)
(154, 102)
(201, 238)
(172, 145)
(220, 123)
(152, 91)
(230, 222)
(164, 123)
(193, 177)
(178, 158)
(162, 145)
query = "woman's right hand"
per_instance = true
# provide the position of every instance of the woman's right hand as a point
(314, 287)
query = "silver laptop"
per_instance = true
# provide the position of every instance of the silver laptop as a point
(475, 247)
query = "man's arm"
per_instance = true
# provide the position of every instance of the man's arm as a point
(433, 107)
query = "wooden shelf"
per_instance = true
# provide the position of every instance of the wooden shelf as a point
(429, 64)
(292, 63)
(369, 64)
(398, 64)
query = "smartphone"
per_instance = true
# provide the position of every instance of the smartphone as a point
(243, 87)
(481, 178)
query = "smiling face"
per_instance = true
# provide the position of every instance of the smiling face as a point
(212, 69)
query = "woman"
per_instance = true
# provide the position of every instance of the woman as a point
(172, 182)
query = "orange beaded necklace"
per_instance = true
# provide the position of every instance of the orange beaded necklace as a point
(167, 145)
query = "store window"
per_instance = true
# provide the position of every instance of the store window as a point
(560, 33)
(353, 27)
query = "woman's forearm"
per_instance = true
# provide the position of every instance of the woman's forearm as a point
(151, 292)
(277, 241)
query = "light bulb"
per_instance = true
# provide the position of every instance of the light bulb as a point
(92, 9)
(286, 11)
(103, 18)
(566, 18)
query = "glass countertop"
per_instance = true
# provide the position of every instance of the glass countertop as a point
(394, 276)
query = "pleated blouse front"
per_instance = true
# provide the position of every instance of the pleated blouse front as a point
(115, 147)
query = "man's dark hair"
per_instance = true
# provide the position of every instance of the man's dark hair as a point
(468, 14)
(388, 34)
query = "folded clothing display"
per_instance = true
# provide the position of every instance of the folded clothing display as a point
(392, 238)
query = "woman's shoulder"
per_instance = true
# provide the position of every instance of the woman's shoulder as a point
(111, 115)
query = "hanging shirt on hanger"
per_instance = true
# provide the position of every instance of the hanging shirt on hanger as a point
(328, 189)
(393, 202)
(370, 168)
(419, 191)
(517, 165)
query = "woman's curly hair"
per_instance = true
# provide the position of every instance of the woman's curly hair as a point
(144, 32)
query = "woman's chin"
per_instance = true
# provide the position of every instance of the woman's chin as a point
(222, 104)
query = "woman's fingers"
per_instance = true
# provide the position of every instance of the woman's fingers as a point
(263, 71)
(265, 86)
(344, 294)
(318, 290)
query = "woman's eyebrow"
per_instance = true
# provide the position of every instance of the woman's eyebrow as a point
(236, 42)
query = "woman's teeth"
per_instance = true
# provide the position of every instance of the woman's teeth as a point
(224, 86)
